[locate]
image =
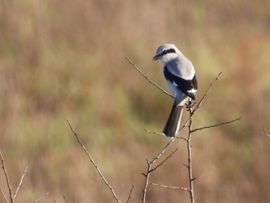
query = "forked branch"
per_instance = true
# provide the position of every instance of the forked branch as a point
(11, 196)
(151, 168)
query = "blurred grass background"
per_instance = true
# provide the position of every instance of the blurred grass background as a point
(65, 60)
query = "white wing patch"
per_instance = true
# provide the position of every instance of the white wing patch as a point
(193, 91)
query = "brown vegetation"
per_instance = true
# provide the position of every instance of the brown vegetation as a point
(66, 60)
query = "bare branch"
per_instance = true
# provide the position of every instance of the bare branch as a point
(149, 169)
(198, 105)
(20, 183)
(146, 77)
(130, 192)
(266, 133)
(7, 178)
(189, 159)
(169, 156)
(182, 138)
(170, 187)
(146, 182)
(163, 150)
(2, 192)
(216, 125)
(94, 164)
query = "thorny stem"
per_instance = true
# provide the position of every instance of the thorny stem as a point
(189, 164)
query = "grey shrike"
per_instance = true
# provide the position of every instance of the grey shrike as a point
(180, 75)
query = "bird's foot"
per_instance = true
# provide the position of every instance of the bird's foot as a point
(189, 104)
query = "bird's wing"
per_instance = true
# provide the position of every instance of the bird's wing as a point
(189, 87)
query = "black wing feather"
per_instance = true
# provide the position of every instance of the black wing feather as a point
(182, 84)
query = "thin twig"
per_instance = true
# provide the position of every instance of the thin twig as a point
(20, 183)
(162, 162)
(266, 133)
(94, 164)
(147, 78)
(198, 105)
(163, 150)
(2, 192)
(170, 186)
(130, 192)
(7, 178)
(216, 125)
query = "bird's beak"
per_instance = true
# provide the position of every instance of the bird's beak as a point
(156, 57)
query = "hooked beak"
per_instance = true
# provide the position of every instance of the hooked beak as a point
(156, 57)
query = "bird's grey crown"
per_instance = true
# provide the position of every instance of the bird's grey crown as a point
(166, 48)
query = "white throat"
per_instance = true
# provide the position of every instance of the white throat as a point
(168, 57)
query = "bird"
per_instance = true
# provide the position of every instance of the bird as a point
(180, 75)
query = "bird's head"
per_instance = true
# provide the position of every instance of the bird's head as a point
(166, 53)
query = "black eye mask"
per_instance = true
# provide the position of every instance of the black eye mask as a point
(168, 51)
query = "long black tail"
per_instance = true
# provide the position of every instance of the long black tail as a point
(173, 123)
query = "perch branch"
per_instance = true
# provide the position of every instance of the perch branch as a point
(199, 104)
(147, 78)
(189, 161)
(115, 196)
(216, 125)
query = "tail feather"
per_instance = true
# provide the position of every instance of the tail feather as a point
(173, 123)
